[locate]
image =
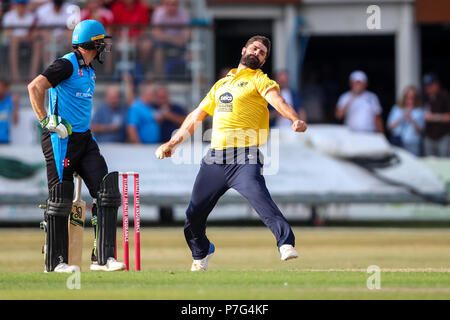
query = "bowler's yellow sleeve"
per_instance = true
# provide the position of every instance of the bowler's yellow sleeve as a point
(208, 103)
(264, 84)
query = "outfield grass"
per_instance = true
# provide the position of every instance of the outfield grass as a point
(415, 264)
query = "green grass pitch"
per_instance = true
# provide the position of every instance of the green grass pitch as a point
(414, 264)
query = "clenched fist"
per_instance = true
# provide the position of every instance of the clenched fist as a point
(299, 126)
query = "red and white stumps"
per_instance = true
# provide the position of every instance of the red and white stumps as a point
(137, 220)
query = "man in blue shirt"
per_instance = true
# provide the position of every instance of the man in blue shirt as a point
(69, 147)
(109, 120)
(8, 112)
(169, 116)
(142, 126)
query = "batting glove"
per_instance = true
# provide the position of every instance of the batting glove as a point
(58, 125)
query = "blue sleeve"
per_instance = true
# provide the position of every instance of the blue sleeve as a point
(133, 116)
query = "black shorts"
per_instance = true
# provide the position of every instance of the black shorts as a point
(78, 153)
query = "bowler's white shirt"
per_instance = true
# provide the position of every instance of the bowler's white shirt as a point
(360, 115)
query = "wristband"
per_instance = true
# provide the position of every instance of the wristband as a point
(44, 122)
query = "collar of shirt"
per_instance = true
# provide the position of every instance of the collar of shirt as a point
(80, 60)
(234, 73)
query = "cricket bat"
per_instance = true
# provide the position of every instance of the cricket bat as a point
(76, 226)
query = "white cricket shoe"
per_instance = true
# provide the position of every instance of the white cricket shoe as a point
(288, 252)
(65, 268)
(202, 264)
(111, 265)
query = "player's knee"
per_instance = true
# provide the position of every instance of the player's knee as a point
(60, 199)
(109, 192)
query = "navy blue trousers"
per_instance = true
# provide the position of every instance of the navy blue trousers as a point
(212, 181)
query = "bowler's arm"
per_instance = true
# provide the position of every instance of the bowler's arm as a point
(188, 127)
(276, 100)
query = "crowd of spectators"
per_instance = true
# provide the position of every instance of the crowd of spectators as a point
(157, 34)
(419, 125)
(151, 117)
(154, 32)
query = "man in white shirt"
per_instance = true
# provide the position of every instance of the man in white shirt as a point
(20, 20)
(53, 17)
(170, 37)
(360, 107)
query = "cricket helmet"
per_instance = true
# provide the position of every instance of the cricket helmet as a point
(90, 35)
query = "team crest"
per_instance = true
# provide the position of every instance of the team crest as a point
(242, 84)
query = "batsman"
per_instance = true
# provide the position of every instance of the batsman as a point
(69, 146)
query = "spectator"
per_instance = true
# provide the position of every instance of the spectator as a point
(169, 116)
(54, 35)
(170, 37)
(406, 122)
(21, 19)
(109, 120)
(142, 126)
(108, 3)
(291, 96)
(96, 11)
(135, 13)
(34, 4)
(131, 12)
(360, 107)
(437, 117)
(9, 111)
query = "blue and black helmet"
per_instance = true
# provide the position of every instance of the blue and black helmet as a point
(90, 35)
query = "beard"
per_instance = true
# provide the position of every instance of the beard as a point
(251, 61)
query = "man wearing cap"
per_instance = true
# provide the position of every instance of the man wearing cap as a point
(360, 107)
(69, 147)
(437, 117)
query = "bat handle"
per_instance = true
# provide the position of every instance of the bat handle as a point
(78, 188)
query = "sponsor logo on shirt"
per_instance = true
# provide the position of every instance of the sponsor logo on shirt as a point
(226, 98)
(226, 103)
(86, 94)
